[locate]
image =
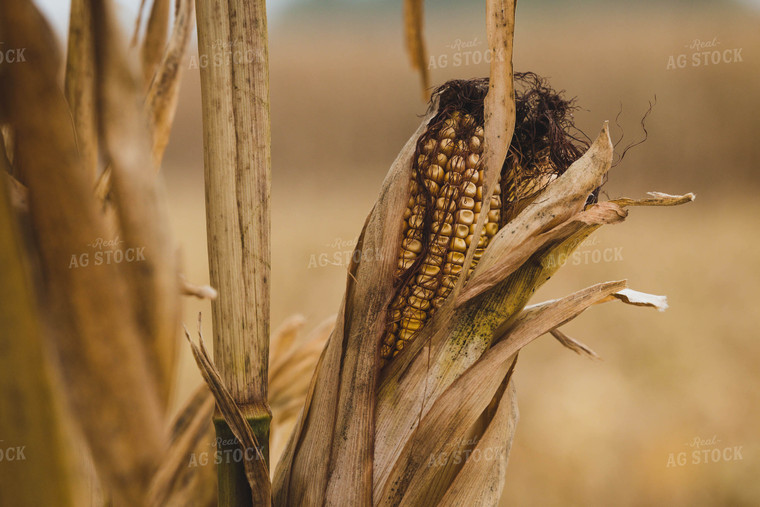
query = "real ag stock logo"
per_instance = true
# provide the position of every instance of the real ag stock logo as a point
(224, 53)
(105, 252)
(465, 53)
(340, 253)
(703, 54)
(11, 55)
(11, 453)
(704, 451)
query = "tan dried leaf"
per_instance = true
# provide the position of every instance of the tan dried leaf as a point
(175, 481)
(468, 396)
(337, 420)
(499, 110)
(79, 85)
(559, 202)
(139, 198)
(481, 480)
(415, 41)
(573, 344)
(255, 469)
(86, 305)
(155, 39)
(292, 366)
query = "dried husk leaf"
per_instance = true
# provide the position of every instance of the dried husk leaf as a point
(340, 405)
(481, 480)
(573, 344)
(558, 203)
(139, 199)
(637, 298)
(85, 305)
(656, 199)
(466, 398)
(409, 388)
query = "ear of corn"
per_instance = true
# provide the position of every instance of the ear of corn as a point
(446, 193)
(446, 197)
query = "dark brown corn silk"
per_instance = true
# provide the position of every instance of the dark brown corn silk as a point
(446, 191)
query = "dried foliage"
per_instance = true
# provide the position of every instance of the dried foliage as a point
(361, 432)
(31, 419)
(175, 482)
(256, 470)
(415, 41)
(292, 363)
(112, 327)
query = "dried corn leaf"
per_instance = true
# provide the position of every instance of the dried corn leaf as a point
(198, 291)
(282, 341)
(138, 24)
(80, 84)
(139, 198)
(19, 194)
(172, 483)
(656, 199)
(637, 298)
(255, 468)
(31, 418)
(499, 111)
(163, 93)
(290, 376)
(155, 39)
(573, 344)
(415, 41)
(86, 304)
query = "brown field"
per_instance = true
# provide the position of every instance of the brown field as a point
(344, 100)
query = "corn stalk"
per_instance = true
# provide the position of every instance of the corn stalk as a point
(237, 169)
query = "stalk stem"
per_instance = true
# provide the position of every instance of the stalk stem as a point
(234, 68)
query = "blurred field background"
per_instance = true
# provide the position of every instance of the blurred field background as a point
(344, 100)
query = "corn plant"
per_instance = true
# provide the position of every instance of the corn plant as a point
(417, 366)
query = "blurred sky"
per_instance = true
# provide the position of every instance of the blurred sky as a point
(57, 10)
